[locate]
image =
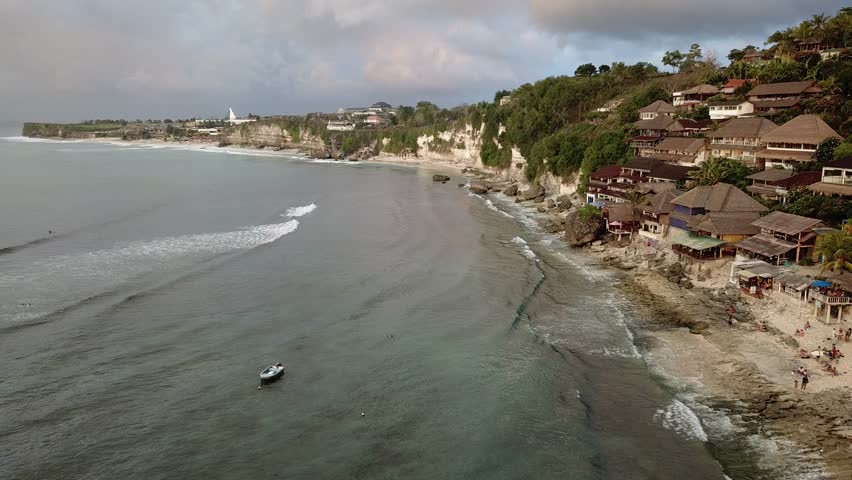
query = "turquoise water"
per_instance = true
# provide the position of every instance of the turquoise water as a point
(132, 334)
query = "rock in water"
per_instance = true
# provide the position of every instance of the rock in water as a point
(550, 203)
(478, 187)
(534, 192)
(511, 190)
(440, 178)
(563, 203)
(580, 231)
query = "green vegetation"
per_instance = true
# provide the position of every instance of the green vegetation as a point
(588, 212)
(833, 210)
(724, 170)
(836, 251)
(69, 130)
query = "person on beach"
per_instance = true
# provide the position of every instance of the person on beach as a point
(848, 334)
(807, 325)
(804, 381)
(795, 379)
(730, 311)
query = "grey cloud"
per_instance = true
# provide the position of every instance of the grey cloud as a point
(644, 18)
(95, 58)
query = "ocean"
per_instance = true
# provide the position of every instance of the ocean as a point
(428, 333)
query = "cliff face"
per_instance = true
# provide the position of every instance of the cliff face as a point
(469, 139)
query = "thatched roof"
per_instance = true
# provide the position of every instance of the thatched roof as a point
(744, 128)
(660, 106)
(790, 155)
(831, 189)
(721, 197)
(785, 88)
(737, 223)
(809, 129)
(681, 144)
(703, 89)
(771, 175)
(661, 203)
(620, 212)
(766, 245)
(659, 123)
(786, 223)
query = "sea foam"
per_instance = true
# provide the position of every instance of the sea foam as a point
(525, 249)
(296, 212)
(682, 420)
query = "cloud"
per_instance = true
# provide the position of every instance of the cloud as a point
(635, 19)
(96, 58)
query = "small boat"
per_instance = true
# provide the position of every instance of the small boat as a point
(271, 373)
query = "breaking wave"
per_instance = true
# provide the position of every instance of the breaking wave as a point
(682, 420)
(141, 257)
(525, 249)
(296, 212)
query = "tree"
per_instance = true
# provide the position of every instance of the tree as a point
(736, 55)
(825, 150)
(843, 151)
(836, 251)
(168, 120)
(585, 70)
(674, 59)
(604, 69)
(721, 170)
(500, 94)
(818, 22)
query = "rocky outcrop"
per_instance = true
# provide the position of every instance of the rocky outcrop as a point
(511, 190)
(534, 192)
(478, 187)
(563, 203)
(580, 230)
(440, 178)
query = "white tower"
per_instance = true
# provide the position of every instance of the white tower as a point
(231, 115)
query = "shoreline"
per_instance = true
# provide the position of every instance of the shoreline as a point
(212, 147)
(736, 370)
(739, 376)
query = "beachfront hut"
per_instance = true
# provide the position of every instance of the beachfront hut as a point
(620, 219)
(830, 296)
(754, 277)
(793, 285)
(783, 237)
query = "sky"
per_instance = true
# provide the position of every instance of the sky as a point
(65, 60)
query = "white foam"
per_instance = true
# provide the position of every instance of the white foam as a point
(491, 205)
(125, 261)
(296, 212)
(682, 420)
(525, 249)
(22, 139)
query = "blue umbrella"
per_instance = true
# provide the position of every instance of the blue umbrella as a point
(821, 284)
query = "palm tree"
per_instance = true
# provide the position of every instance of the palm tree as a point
(803, 32)
(836, 251)
(818, 22)
(830, 86)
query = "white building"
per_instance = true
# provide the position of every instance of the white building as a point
(233, 120)
(340, 125)
(730, 109)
